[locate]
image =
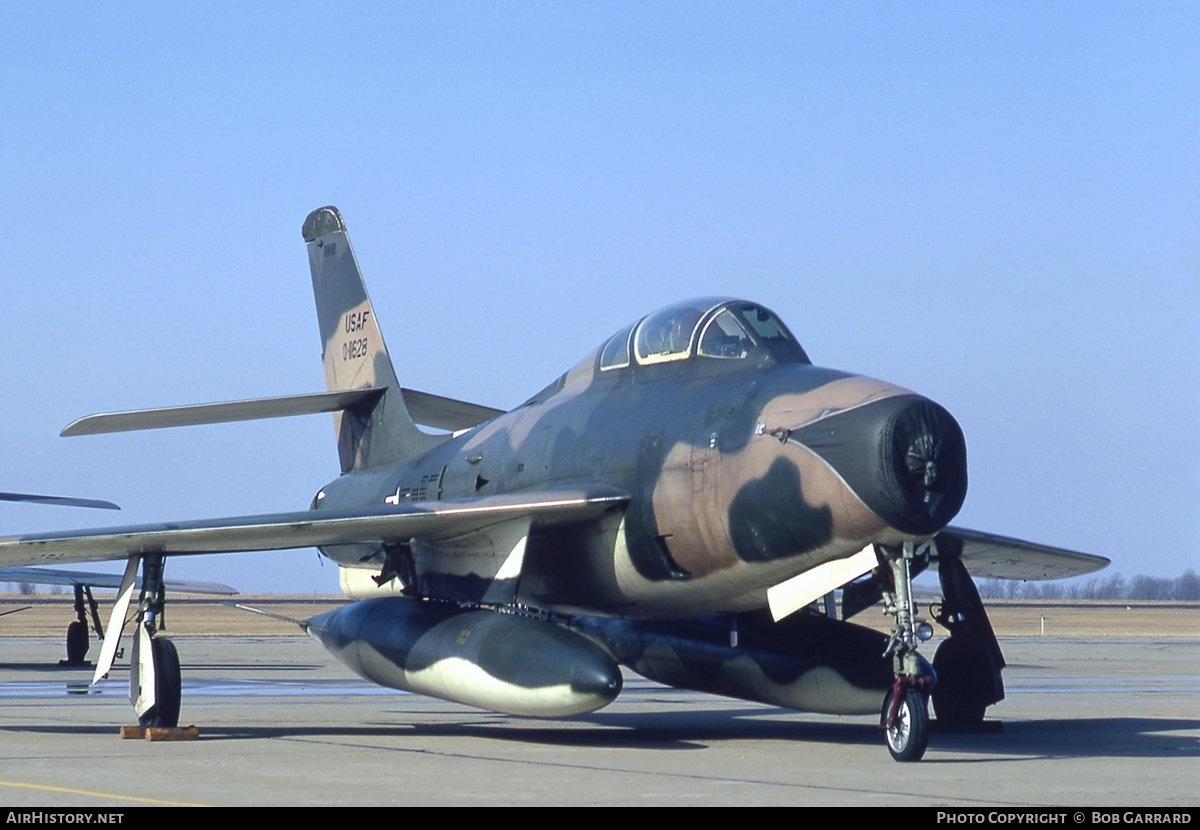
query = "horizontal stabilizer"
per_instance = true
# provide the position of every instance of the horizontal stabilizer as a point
(426, 408)
(55, 576)
(446, 413)
(62, 501)
(991, 556)
(428, 521)
(219, 413)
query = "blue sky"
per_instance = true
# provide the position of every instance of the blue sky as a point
(994, 204)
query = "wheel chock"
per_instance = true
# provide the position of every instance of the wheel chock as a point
(172, 733)
(160, 733)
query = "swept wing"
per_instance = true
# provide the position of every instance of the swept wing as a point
(302, 529)
(990, 555)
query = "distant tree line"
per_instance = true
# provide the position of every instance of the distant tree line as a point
(28, 589)
(1186, 586)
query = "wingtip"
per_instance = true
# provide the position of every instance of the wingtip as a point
(61, 501)
(76, 427)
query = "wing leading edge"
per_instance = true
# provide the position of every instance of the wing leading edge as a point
(991, 556)
(303, 529)
(56, 576)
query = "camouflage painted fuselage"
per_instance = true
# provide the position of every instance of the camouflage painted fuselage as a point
(740, 474)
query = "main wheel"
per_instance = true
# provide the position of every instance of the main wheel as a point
(168, 685)
(77, 643)
(908, 737)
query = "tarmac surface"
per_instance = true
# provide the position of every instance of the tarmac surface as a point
(1087, 723)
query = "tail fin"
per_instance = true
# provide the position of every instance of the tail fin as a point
(353, 352)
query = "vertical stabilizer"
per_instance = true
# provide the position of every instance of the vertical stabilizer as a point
(353, 352)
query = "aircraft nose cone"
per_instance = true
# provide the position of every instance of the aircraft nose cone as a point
(904, 456)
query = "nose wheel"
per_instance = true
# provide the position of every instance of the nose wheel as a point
(905, 724)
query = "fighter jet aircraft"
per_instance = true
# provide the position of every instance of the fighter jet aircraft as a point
(684, 502)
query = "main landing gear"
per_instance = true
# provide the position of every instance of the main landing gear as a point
(155, 683)
(155, 686)
(77, 632)
(904, 720)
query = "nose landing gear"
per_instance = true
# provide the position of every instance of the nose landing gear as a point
(904, 720)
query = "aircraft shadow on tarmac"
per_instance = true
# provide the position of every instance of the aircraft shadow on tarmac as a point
(45, 668)
(693, 730)
(120, 671)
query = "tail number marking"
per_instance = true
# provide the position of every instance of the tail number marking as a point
(354, 349)
(355, 321)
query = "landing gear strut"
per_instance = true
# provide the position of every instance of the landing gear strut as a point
(155, 684)
(905, 716)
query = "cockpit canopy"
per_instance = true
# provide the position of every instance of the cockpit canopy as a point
(707, 327)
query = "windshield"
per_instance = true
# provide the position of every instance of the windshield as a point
(769, 331)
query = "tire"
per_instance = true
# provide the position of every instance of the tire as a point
(168, 685)
(908, 738)
(77, 643)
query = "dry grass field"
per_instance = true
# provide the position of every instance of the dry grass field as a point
(48, 615)
(43, 615)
